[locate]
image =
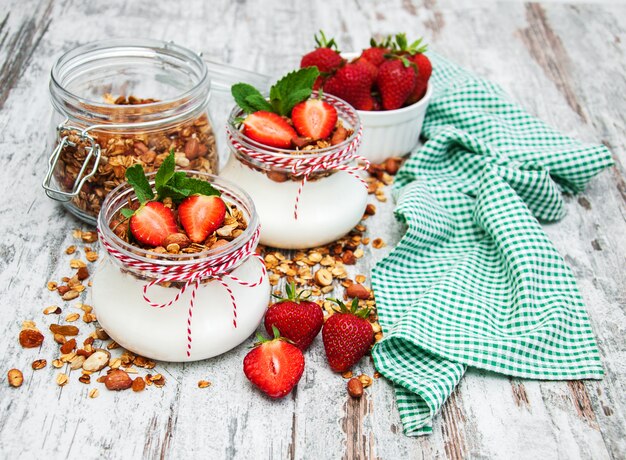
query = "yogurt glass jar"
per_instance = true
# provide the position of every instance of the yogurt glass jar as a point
(304, 198)
(129, 101)
(145, 307)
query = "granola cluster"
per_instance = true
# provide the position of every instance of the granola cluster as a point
(193, 142)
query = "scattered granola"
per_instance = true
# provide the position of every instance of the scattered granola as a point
(39, 364)
(204, 384)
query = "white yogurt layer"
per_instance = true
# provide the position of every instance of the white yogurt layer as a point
(329, 207)
(161, 333)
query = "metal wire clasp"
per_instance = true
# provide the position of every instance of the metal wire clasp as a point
(93, 152)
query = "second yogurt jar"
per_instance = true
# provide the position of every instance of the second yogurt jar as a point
(305, 197)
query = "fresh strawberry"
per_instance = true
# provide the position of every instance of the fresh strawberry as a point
(152, 223)
(414, 53)
(297, 319)
(352, 83)
(325, 57)
(376, 52)
(274, 366)
(314, 118)
(347, 336)
(371, 68)
(201, 215)
(268, 128)
(424, 70)
(396, 81)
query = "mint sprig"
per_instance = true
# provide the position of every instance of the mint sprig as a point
(168, 183)
(293, 88)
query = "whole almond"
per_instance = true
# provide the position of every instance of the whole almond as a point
(392, 165)
(97, 361)
(138, 384)
(192, 148)
(68, 346)
(64, 329)
(355, 388)
(277, 176)
(177, 238)
(15, 378)
(118, 380)
(30, 338)
(358, 290)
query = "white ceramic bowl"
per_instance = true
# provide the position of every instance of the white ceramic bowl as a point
(391, 133)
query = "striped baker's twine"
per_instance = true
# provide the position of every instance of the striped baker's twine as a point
(337, 160)
(191, 274)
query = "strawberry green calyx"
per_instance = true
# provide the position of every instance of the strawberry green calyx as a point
(293, 295)
(353, 309)
(261, 339)
(384, 43)
(401, 45)
(323, 42)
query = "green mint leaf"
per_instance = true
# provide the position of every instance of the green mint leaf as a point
(249, 98)
(200, 187)
(176, 194)
(292, 88)
(136, 177)
(258, 102)
(126, 212)
(165, 172)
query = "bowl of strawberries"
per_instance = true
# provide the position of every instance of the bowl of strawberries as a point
(388, 84)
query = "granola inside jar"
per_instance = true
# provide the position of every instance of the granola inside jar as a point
(124, 102)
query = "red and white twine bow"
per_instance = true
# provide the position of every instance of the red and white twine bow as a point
(301, 166)
(191, 273)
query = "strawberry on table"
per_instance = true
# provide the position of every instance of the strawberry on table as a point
(325, 57)
(201, 215)
(314, 119)
(152, 223)
(274, 366)
(353, 84)
(347, 336)
(396, 81)
(297, 319)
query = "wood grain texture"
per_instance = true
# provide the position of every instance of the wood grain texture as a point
(565, 62)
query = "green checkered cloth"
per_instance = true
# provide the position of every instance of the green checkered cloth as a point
(475, 281)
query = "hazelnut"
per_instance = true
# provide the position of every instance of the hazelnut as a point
(355, 388)
(348, 257)
(15, 378)
(323, 277)
(138, 384)
(118, 380)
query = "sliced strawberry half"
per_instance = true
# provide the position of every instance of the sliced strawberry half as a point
(314, 118)
(152, 223)
(268, 128)
(275, 367)
(201, 215)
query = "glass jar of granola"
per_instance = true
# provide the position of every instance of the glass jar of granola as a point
(192, 304)
(306, 197)
(124, 102)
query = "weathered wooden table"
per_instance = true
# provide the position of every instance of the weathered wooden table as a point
(565, 62)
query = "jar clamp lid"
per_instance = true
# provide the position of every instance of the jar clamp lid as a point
(73, 98)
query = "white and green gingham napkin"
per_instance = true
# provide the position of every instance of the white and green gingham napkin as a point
(475, 281)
